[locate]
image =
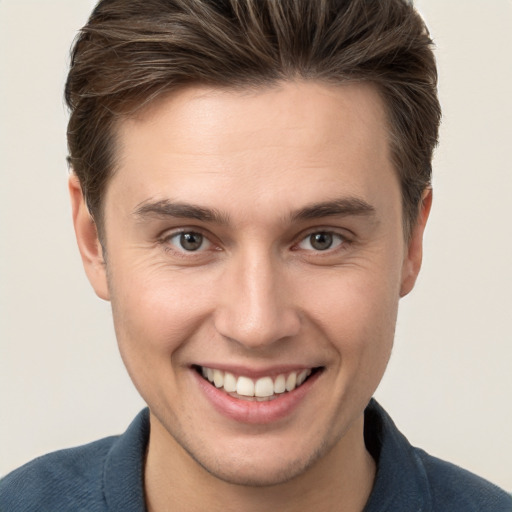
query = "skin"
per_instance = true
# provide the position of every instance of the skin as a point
(257, 294)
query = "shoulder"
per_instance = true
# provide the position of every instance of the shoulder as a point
(456, 489)
(100, 476)
(68, 479)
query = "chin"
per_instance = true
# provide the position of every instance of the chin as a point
(256, 474)
(258, 467)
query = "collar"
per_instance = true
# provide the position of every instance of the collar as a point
(401, 483)
(123, 475)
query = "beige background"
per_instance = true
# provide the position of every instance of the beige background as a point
(61, 380)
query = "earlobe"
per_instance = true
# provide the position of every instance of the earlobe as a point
(414, 255)
(87, 239)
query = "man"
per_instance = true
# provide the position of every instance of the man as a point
(250, 184)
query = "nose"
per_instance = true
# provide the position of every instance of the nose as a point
(256, 306)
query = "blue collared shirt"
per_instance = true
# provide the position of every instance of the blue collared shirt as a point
(107, 475)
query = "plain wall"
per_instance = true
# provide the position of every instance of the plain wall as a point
(62, 382)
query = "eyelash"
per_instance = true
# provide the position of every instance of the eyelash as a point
(165, 241)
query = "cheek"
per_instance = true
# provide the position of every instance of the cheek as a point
(357, 312)
(154, 315)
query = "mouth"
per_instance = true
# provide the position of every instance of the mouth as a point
(262, 389)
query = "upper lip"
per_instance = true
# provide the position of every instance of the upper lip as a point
(256, 373)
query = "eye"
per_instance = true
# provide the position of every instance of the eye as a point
(321, 241)
(189, 241)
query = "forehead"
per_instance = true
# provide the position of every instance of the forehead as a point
(302, 114)
(291, 142)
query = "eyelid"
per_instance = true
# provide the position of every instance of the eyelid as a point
(170, 232)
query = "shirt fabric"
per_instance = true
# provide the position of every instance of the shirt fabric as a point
(107, 475)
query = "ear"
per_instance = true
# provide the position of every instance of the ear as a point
(87, 239)
(414, 255)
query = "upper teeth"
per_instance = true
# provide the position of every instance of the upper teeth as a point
(262, 387)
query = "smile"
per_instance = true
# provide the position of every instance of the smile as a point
(261, 389)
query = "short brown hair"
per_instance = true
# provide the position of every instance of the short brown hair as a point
(131, 52)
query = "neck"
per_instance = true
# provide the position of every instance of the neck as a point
(340, 481)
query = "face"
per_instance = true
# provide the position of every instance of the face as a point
(254, 260)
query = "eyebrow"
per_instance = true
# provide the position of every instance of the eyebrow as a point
(166, 208)
(351, 206)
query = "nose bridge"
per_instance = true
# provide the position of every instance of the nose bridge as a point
(256, 309)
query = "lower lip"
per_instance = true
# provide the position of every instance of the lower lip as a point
(254, 412)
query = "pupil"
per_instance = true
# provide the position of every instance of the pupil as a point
(321, 241)
(191, 241)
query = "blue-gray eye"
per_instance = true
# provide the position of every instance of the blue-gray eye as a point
(321, 241)
(188, 241)
(191, 241)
